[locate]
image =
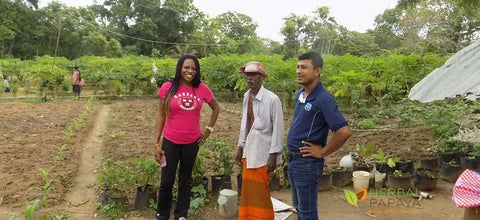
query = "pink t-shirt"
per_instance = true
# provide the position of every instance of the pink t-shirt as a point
(76, 78)
(182, 125)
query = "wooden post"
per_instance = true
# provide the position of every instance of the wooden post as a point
(471, 213)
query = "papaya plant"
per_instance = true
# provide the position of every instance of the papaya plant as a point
(147, 172)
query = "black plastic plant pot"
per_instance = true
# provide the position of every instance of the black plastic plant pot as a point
(430, 163)
(274, 184)
(144, 195)
(450, 172)
(470, 163)
(221, 182)
(447, 157)
(324, 183)
(361, 168)
(109, 197)
(424, 180)
(203, 182)
(384, 168)
(341, 178)
(405, 166)
(404, 182)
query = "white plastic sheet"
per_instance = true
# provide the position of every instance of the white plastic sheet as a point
(281, 209)
(460, 75)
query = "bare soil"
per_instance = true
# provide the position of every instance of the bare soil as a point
(28, 133)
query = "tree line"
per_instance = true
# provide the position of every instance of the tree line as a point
(170, 28)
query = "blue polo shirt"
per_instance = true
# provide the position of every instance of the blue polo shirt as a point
(313, 118)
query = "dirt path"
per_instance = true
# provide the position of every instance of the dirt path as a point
(80, 201)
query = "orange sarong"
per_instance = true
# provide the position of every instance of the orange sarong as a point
(255, 202)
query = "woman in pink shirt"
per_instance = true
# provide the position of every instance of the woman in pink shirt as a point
(181, 101)
(76, 77)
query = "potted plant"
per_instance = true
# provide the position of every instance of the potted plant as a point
(399, 179)
(364, 153)
(406, 166)
(451, 171)
(471, 159)
(425, 179)
(199, 169)
(429, 162)
(342, 176)
(325, 181)
(384, 163)
(147, 178)
(198, 199)
(450, 150)
(115, 182)
(222, 168)
(275, 180)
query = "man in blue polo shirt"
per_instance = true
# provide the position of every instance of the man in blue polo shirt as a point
(316, 113)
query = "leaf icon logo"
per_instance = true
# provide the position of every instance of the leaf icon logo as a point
(351, 197)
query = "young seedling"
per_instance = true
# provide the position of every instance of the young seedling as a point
(364, 153)
(30, 209)
(453, 163)
(59, 152)
(398, 173)
(46, 188)
(382, 158)
(12, 216)
(68, 133)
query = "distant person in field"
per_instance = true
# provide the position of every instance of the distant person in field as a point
(76, 77)
(6, 84)
(181, 100)
(316, 112)
(259, 144)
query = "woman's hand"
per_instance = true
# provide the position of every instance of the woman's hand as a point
(159, 153)
(204, 137)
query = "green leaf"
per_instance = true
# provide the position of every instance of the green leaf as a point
(351, 197)
(391, 162)
(380, 153)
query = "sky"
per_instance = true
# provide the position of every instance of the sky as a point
(355, 15)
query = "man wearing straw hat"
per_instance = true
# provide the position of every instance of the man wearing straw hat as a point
(259, 144)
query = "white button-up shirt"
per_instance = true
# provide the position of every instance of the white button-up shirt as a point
(266, 134)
